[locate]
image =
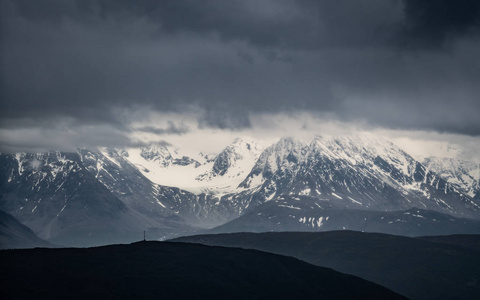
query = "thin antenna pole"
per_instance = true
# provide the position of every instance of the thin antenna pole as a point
(144, 235)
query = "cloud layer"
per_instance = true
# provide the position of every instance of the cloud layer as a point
(393, 64)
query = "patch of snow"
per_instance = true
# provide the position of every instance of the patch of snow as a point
(319, 222)
(161, 204)
(337, 196)
(290, 206)
(305, 192)
(354, 201)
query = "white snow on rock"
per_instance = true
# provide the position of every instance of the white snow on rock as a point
(198, 173)
(464, 175)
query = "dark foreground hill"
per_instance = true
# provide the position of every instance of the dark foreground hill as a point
(414, 267)
(14, 234)
(165, 270)
(471, 241)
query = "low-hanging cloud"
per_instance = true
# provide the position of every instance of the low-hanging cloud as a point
(393, 64)
(171, 128)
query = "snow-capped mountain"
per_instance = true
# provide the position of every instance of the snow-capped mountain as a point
(157, 153)
(67, 197)
(114, 194)
(277, 163)
(103, 195)
(197, 172)
(162, 156)
(232, 165)
(236, 158)
(362, 172)
(463, 175)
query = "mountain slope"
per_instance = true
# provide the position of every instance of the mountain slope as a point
(463, 175)
(302, 213)
(15, 235)
(113, 195)
(149, 270)
(98, 197)
(115, 170)
(470, 241)
(361, 172)
(65, 201)
(415, 268)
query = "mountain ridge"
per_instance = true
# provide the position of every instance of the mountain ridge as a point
(53, 192)
(411, 266)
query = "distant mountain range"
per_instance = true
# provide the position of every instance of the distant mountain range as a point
(99, 196)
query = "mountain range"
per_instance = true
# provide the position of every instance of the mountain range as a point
(107, 195)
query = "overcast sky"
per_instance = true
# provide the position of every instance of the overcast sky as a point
(113, 73)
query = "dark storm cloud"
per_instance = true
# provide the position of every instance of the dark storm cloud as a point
(396, 64)
(432, 23)
(225, 118)
(287, 24)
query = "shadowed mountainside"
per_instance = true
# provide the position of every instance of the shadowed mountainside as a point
(416, 268)
(14, 234)
(471, 241)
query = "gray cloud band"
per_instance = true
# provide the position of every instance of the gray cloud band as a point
(395, 64)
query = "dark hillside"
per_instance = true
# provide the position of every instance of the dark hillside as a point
(164, 270)
(416, 268)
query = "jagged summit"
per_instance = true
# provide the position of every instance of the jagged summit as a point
(236, 157)
(157, 153)
(359, 171)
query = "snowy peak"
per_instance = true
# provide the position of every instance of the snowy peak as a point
(284, 155)
(360, 171)
(380, 156)
(235, 156)
(42, 166)
(362, 149)
(276, 168)
(463, 175)
(162, 156)
(287, 155)
(158, 154)
(230, 167)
